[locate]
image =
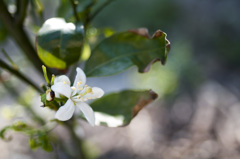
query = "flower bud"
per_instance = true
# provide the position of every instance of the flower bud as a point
(50, 95)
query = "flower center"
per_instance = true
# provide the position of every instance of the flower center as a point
(82, 93)
(79, 85)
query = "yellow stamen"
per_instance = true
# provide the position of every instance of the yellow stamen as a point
(88, 89)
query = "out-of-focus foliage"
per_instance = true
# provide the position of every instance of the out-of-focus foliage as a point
(38, 138)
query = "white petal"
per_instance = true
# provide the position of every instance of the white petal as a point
(64, 79)
(66, 111)
(80, 77)
(57, 95)
(88, 112)
(96, 93)
(48, 96)
(62, 88)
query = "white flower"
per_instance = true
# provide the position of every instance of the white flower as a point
(77, 95)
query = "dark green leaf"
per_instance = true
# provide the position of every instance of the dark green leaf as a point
(125, 104)
(64, 8)
(3, 32)
(123, 50)
(59, 43)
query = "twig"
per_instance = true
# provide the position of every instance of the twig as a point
(38, 9)
(19, 75)
(10, 60)
(76, 140)
(99, 10)
(20, 36)
(21, 11)
(74, 6)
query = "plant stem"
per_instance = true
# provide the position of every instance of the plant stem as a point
(99, 10)
(74, 6)
(21, 11)
(20, 76)
(10, 60)
(20, 36)
(75, 139)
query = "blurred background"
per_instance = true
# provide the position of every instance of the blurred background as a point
(197, 114)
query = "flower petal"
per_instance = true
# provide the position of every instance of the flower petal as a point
(96, 93)
(80, 79)
(66, 111)
(62, 88)
(64, 79)
(88, 112)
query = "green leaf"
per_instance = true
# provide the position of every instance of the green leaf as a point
(64, 8)
(123, 50)
(124, 105)
(43, 98)
(17, 126)
(44, 141)
(37, 138)
(3, 32)
(3, 131)
(32, 143)
(40, 139)
(20, 126)
(59, 43)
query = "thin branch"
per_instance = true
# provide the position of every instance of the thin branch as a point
(38, 7)
(20, 36)
(10, 60)
(99, 10)
(20, 76)
(74, 6)
(77, 142)
(21, 11)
